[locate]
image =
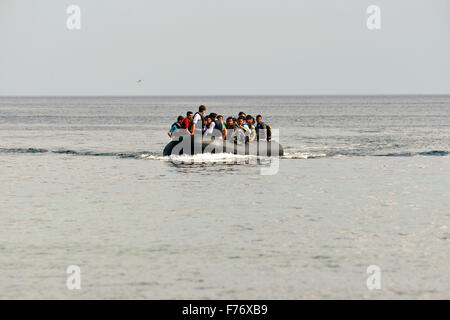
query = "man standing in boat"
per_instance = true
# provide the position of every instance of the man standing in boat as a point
(199, 121)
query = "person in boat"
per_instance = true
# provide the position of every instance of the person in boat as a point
(214, 127)
(224, 128)
(207, 124)
(230, 127)
(263, 131)
(241, 124)
(251, 128)
(187, 122)
(198, 121)
(175, 126)
(242, 131)
(230, 124)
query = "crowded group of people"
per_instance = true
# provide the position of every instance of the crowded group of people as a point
(241, 128)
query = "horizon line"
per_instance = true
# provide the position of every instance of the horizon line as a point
(228, 95)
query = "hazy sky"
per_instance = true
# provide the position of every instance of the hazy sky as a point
(221, 47)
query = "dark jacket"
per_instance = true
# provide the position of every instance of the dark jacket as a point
(263, 131)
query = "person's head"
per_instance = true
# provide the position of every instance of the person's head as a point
(208, 120)
(230, 121)
(242, 114)
(180, 118)
(213, 116)
(234, 121)
(220, 117)
(202, 109)
(258, 118)
(189, 115)
(240, 120)
(249, 119)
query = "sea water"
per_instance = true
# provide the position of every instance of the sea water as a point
(365, 181)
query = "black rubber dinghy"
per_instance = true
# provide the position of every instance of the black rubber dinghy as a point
(196, 144)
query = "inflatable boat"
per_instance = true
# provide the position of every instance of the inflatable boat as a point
(188, 144)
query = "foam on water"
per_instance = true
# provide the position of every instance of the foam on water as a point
(303, 155)
(220, 158)
(212, 158)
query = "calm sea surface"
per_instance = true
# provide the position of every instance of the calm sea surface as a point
(365, 181)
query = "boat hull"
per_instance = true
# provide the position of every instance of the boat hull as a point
(194, 145)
